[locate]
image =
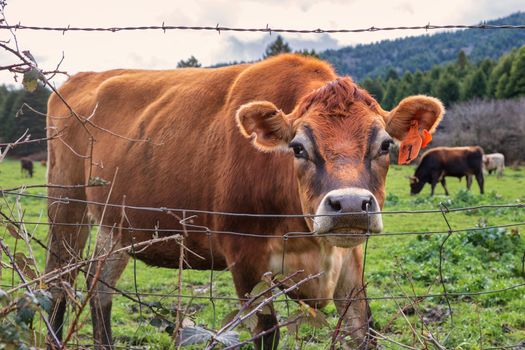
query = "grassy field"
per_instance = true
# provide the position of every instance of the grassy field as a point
(481, 260)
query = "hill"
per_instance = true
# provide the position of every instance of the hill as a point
(422, 52)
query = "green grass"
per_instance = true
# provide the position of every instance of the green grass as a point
(474, 261)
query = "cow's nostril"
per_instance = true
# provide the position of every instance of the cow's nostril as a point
(366, 204)
(334, 204)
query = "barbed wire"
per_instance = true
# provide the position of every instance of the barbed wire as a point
(219, 28)
(66, 200)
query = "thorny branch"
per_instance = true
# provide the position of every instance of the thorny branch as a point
(242, 315)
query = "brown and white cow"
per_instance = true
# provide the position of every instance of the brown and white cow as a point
(282, 136)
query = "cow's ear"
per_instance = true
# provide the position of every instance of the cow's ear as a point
(427, 111)
(265, 124)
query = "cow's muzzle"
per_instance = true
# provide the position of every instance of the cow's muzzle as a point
(345, 216)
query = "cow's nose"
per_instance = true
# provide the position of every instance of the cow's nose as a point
(348, 203)
(348, 210)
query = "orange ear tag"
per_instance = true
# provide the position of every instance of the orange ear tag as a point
(427, 137)
(410, 145)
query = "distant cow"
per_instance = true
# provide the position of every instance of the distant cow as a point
(440, 162)
(26, 166)
(281, 136)
(494, 162)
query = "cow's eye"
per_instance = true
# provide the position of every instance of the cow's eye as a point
(298, 150)
(385, 146)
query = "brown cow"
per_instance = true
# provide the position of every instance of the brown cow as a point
(440, 162)
(26, 166)
(319, 145)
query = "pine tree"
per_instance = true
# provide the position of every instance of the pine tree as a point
(374, 87)
(391, 75)
(389, 99)
(306, 52)
(502, 68)
(462, 60)
(277, 47)
(475, 85)
(517, 75)
(501, 90)
(190, 62)
(447, 89)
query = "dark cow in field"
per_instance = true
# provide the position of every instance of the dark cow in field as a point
(440, 162)
(282, 136)
(26, 166)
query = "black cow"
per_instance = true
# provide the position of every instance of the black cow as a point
(440, 162)
(26, 165)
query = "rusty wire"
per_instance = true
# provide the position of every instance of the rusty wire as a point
(219, 28)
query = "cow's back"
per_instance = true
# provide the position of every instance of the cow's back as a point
(451, 161)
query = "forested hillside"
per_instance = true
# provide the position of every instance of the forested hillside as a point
(423, 52)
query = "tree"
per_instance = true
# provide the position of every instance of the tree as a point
(306, 52)
(391, 75)
(389, 99)
(10, 106)
(277, 47)
(501, 90)
(447, 89)
(462, 61)
(475, 85)
(374, 87)
(517, 74)
(190, 62)
(502, 68)
(15, 122)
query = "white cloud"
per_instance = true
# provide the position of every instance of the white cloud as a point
(156, 50)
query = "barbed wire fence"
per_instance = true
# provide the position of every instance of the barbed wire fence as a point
(273, 287)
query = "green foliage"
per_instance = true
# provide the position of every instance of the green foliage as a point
(374, 87)
(17, 329)
(475, 85)
(306, 52)
(447, 89)
(517, 74)
(16, 119)
(190, 62)
(277, 47)
(455, 82)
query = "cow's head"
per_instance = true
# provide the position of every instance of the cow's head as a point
(340, 139)
(416, 185)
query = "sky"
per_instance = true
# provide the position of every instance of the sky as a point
(89, 51)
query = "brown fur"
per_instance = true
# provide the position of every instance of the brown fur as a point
(199, 157)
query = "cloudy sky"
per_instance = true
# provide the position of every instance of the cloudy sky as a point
(155, 50)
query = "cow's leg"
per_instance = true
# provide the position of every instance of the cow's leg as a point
(444, 184)
(433, 182)
(245, 277)
(65, 245)
(480, 180)
(469, 182)
(108, 271)
(499, 172)
(349, 299)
